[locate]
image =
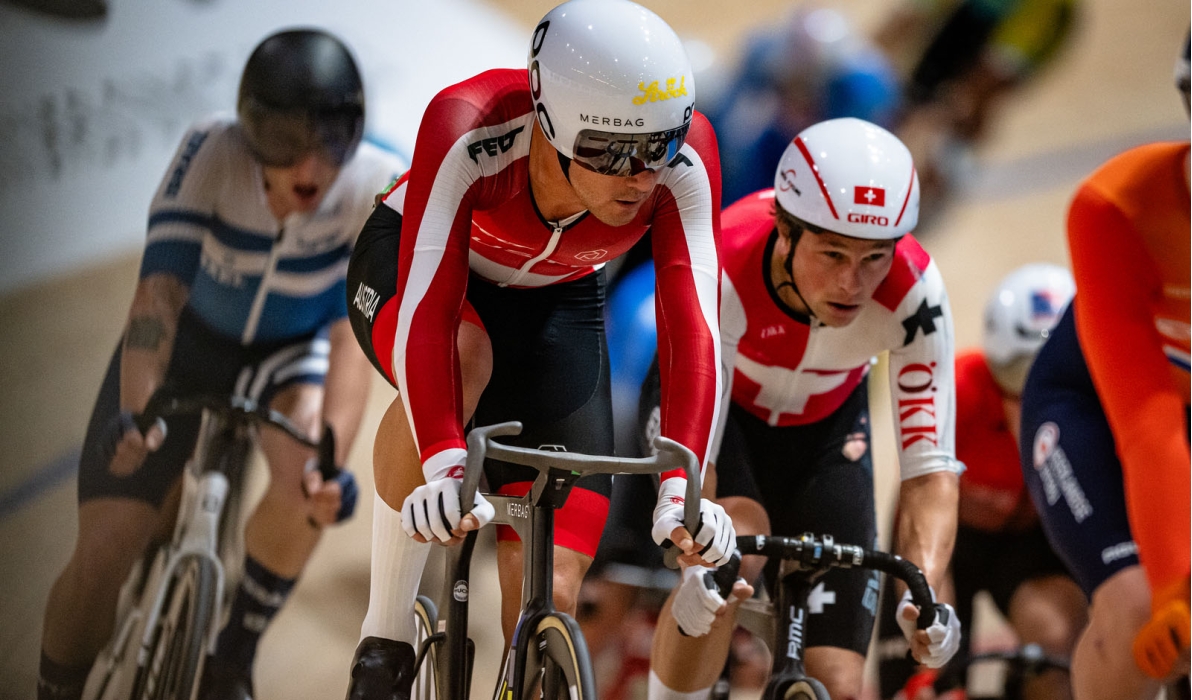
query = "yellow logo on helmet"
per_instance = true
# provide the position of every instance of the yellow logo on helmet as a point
(653, 93)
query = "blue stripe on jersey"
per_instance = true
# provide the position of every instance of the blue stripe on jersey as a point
(314, 263)
(222, 307)
(178, 258)
(285, 317)
(240, 238)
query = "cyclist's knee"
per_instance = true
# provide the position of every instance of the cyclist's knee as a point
(840, 670)
(570, 567)
(302, 404)
(1050, 612)
(1103, 665)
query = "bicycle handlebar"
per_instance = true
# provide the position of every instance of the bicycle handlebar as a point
(239, 408)
(670, 455)
(812, 554)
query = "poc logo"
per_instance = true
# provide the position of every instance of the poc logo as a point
(460, 591)
(492, 144)
(868, 219)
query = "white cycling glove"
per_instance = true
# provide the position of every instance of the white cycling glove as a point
(715, 538)
(943, 633)
(433, 510)
(697, 601)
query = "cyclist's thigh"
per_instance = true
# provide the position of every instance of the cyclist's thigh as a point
(819, 478)
(1070, 463)
(551, 372)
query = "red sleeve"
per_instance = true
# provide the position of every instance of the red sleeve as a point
(1117, 286)
(432, 273)
(686, 241)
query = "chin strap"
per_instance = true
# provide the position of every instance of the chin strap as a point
(565, 164)
(788, 265)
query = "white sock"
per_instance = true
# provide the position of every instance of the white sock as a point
(397, 564)
(658, 691)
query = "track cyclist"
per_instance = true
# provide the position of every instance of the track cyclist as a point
(1000, 546)
(241, 291)
(1104, 443)
(524, 183)
(820, 276)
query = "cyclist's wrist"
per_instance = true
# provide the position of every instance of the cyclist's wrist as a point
(446, 464)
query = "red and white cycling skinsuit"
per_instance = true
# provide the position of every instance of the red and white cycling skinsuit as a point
(1128, 235)
(788, 369)
(467, 206)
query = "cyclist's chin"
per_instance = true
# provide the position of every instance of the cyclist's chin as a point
(617, 212)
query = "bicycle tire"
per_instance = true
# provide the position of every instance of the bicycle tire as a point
(806, 689)
(558, 662)
(176, 656)
(426, 620)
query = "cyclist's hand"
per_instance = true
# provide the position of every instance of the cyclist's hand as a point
(124, 447)
(431, 513)
(1163, 641)
(714, 539)
(332, 501)
(935, 646)
(697, 603)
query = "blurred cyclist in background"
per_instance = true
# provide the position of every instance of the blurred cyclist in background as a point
(484, 271)
(1104, 443)
(957, 61)
(809, 68)
(242, 292)
(1000, 546)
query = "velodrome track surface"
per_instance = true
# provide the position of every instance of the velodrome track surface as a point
(1111, 89)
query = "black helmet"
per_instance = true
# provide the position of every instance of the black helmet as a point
(301, 92)
(1182, 71)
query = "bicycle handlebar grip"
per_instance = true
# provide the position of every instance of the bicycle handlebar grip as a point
(670, 555)
(726, 576)
(474, 467)
(327, 468)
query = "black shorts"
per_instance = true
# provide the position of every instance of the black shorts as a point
(550, 368)
(808, 482)
(203, 362)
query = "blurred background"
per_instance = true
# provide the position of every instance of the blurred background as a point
(95, 94)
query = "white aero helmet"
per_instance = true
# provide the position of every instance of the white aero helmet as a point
(612, 85)
(1019, 316)
(850, 177)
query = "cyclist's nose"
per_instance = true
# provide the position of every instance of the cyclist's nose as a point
(643, 182)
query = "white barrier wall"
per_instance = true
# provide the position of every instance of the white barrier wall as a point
(91, 110)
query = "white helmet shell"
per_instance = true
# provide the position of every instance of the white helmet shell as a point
(608, 65)
(1023, 309)
(851, 177)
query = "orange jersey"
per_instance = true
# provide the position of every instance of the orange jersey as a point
(1129, 233)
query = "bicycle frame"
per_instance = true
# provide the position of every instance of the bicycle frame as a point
(532, 517)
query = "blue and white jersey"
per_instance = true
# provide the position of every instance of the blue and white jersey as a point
(252, 277)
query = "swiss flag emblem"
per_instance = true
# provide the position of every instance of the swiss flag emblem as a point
(873, 196)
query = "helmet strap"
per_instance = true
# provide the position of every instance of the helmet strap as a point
(565, 164)
(789, 265)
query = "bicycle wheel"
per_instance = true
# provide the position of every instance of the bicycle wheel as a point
(806, 689)
(177, 653)
(557, 664)
(426, 618)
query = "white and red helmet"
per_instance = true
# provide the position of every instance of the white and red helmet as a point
(850, 177)
(1019, 316)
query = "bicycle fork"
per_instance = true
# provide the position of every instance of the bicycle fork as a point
(197, 536)
(788, 666)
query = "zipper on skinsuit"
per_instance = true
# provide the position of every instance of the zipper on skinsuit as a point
(258, 302)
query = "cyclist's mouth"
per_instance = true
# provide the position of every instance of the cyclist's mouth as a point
(306, 193)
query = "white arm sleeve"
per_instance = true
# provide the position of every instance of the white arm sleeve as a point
(732, 327)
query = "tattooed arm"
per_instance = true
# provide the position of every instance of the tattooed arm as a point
(149, 337)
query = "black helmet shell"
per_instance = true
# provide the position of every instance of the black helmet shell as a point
(301, 92)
